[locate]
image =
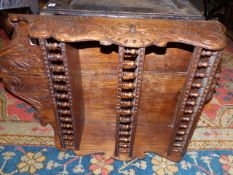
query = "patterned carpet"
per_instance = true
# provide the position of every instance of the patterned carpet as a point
(214, 132)
(47, 160)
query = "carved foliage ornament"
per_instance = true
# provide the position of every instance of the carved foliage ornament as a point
(20, 63)
(14, 54)
(121, 32)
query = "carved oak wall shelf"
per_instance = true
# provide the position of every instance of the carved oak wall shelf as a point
(114, 85)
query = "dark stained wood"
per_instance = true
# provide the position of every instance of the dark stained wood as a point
(13, 4)
(169, 9)
(173, 80)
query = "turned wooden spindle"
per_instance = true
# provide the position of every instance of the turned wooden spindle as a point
(124, 145)
(188, 111)
(127, 95)
(128, 85)
(59, 87)
(131, 51)
(57, 68)
(186, 119)
(62, 104)
(65, 119)
(125, 120)
(126, 112)
(61, 95)
(200, 75)
(191, 102)
(64, 112)
(53, 46)
(128, 75)
(123, 150)
(179, 138)
(203, 64)
(66, 131)
(181, 132)
(64, 125)
(183, 126)
(194, 94)
(58, 78)
(206, 53)
(178, 144)
(196, 85)
(124, 139)
(55, 57)
(124, 133)
(68, 137)
(175, 149)
(69, 143)
(125, 127)
(126, 103)
(129, 64)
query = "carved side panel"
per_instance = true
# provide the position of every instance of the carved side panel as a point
(22, 73)
(198, 88)
(129, 85)
(55, 62)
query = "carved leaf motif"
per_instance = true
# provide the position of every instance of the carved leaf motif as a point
(21, 57)
(20, 65)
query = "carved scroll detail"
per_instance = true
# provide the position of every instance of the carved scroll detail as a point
(129, 86)
(202, 71)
